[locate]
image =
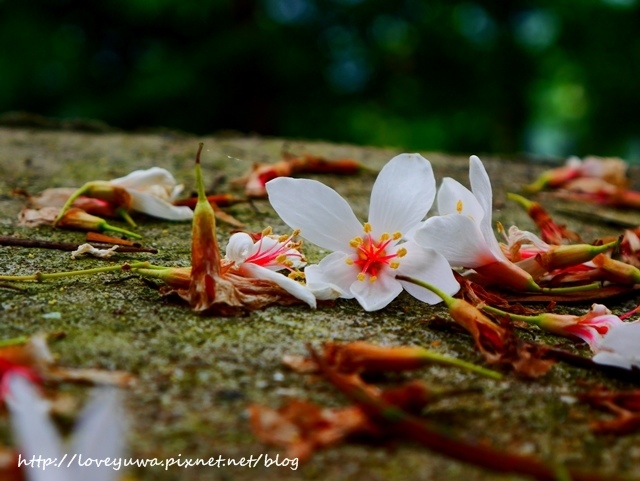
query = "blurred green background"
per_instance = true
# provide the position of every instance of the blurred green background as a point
(550, 78)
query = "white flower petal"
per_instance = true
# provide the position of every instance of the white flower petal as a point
(239, 247)
(612, 359)
(332, 277)
(480, 184)
(373, 296)
(481, 188)
(457, 238)
(402, 194)
(34, 431)
(154, 206)
(429, 266)
(323, 217)
(143, 179)
(455, 199)
(100, 434)
(292, 287)
(619, 347)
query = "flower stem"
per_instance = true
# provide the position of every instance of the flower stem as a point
(70, 201)
(571, 289)
(112, 228)
(125, 215)
(452, 361)
(448, 300)
(40, 276)
(518, 317)
(13, 341)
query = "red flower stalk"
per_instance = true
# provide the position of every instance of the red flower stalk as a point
(360, 357)
(399, 422)
(254, 182)
(550, 232)
(553, 178)
(303, 427)
(625, 405)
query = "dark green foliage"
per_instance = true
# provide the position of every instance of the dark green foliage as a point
(548, 77)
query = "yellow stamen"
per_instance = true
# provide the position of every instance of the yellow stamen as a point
(367, 228)
(361, 277)
(401, 252)
(397, 235)
(384, 237)
(267, 231)
(394, 264)
(459, 206)
(372, 279)
(281, 258)
(349, 261)
(356, 242)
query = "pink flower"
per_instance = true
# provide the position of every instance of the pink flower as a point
(591, 327)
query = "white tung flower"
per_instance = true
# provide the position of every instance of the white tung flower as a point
(99, 434)
(263, 258)
(366, 258)
(152, 192)
(462, 231)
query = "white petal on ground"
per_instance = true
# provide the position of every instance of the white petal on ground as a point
(323, 217)
(457, 238)
(620, 346)
(429, 266)
(145, 179)
(455, 199)
(156, 207)
(100, 434)
(373, 296)
(35, 433)
(402, 194)
(332, 277)
(239, 247)
(292, 287)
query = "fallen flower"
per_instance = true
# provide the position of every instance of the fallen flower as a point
(75, 218)
(222, 287)
(366, 259)
(463, 232)
(497, 342)
(619, 347)
(625, 405)
(254, 182)
(551, 232)
(363, 357)
(591, 327)
(99, 434)
(403, 424)
(611, 170)
(303, 427)
(149, 191)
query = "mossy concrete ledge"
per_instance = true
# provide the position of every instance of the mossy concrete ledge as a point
(196, 375)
